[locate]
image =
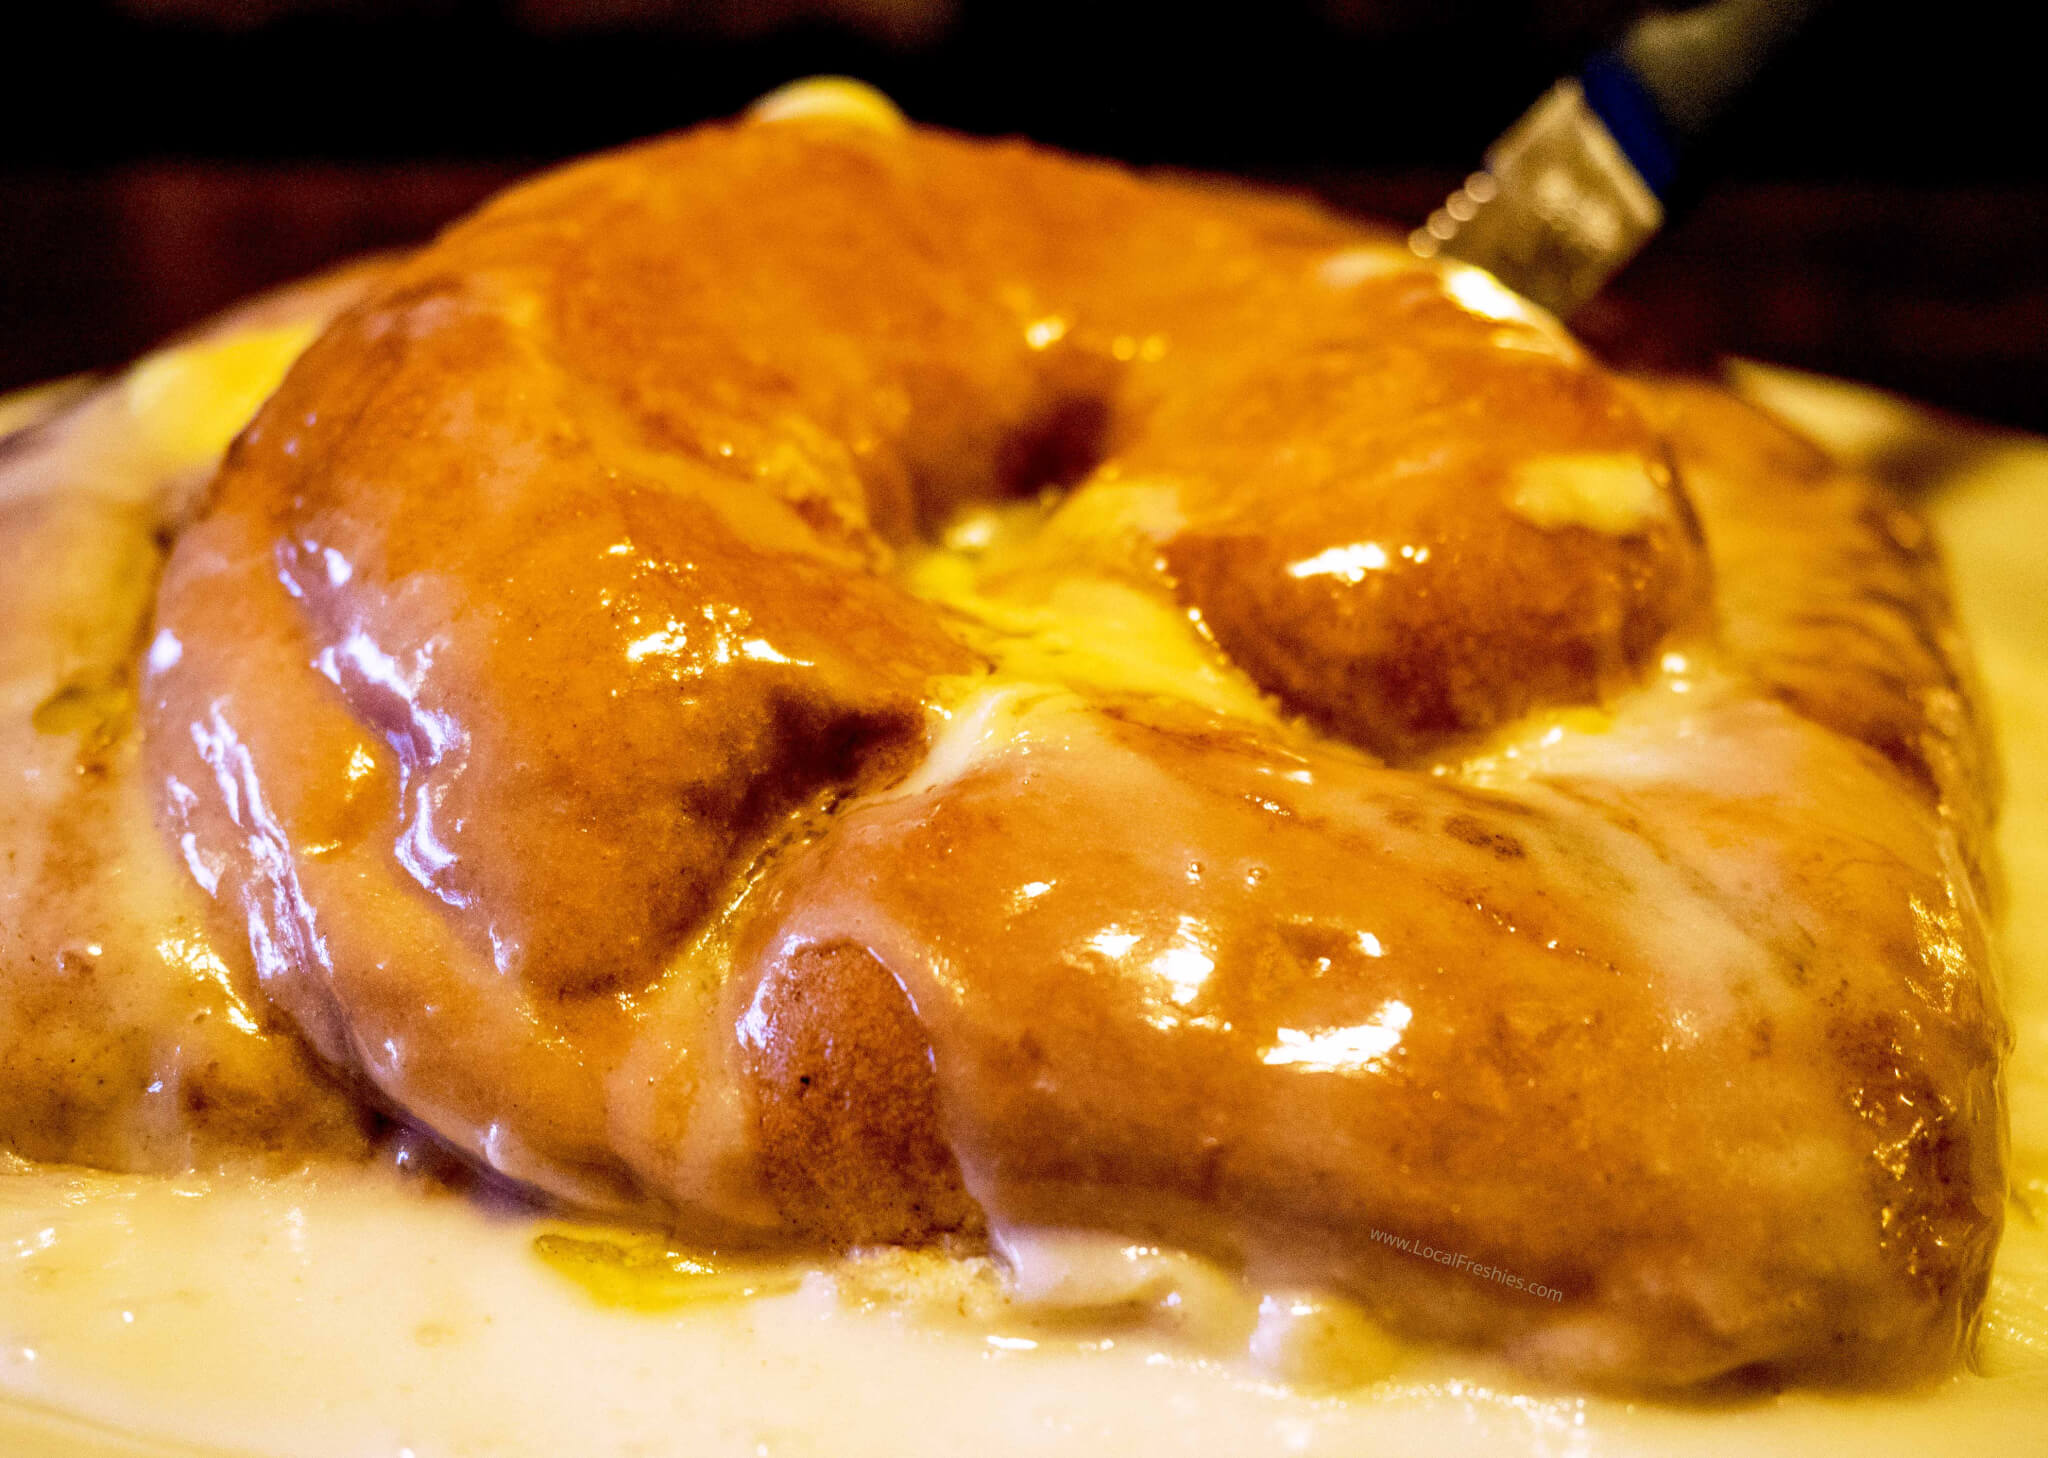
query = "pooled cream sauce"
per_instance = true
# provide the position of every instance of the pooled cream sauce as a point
(351, 1311)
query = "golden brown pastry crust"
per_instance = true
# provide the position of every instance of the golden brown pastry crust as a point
(540, 701)
(1832, 595)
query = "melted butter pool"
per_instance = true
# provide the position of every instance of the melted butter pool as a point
(632, 1271)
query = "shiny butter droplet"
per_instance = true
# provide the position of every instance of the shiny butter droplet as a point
(1046, 332)
(1350, 563)
(644, 1273)
(829, 98)
(164, 651)
(1351, 1050)
(1479, 292)
(1611, 493)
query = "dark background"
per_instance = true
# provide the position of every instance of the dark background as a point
(1878, 209)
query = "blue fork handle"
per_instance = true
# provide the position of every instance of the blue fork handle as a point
(1661, 89)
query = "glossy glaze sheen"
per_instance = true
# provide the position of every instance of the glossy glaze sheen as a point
(537, 694)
